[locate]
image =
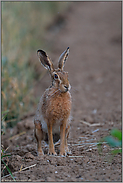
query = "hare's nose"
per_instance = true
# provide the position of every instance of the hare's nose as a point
(66, 88)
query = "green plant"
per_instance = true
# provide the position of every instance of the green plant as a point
(3, 152)
(114, 141)
(5, 155)
(17, 91)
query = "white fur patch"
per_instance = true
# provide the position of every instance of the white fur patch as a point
(56, 126)
(55, 129)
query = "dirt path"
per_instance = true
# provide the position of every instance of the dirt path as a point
(92, 30)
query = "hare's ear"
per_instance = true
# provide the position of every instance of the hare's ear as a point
(45, 60)
(63, 57)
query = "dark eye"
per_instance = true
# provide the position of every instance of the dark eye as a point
(55, 76)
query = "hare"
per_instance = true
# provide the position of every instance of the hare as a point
(52, 119)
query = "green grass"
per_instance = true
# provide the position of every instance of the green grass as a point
(4, 155)
(9, 171)
(24, 28)
(17, 90)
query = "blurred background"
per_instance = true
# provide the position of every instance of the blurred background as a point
(24, 29)
(92, 30)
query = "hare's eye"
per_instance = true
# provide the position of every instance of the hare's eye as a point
(55, 76)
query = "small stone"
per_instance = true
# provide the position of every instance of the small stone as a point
(29, 156)
(88, 119)
(18, 158)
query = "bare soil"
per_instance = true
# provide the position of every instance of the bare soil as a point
(92, 30)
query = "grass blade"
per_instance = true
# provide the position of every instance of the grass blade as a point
(9, 170)
(5, 112)
(5, 156)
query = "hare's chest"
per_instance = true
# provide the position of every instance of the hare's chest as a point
(55, 110)
(59, 107)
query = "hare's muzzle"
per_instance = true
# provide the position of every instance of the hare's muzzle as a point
(66, 88)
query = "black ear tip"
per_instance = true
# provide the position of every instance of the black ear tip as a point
(41, 52)
(67, 48)
(38, 51)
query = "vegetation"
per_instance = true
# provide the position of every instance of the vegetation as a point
(23, 31)
(114, 141)
(24, 26)
(5, 155)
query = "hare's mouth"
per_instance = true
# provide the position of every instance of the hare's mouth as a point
(65, 88)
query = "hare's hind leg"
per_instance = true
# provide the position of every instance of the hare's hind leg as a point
(66, 137)
(39, 137)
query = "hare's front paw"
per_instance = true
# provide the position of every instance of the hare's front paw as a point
(52, 152)
(40, 153)
(63, 152)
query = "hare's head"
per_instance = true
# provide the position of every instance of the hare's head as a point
(58, 76)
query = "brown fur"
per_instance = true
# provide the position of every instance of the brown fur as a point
(53, 114)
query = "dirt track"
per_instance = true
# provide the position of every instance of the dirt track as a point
(92, 30)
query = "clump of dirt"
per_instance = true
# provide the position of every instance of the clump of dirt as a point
(92, 30)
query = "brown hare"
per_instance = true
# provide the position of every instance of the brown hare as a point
(52, 119)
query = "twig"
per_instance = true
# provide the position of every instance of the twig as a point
(20, 170)
(28, 167)
(11, 120)
(85, 144)
(7, 148)
(75, 156)
(87, 123)
(95, 130)
(57, 143)
(22, 133)
(90, 149)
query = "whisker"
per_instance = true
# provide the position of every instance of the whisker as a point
(55, 92)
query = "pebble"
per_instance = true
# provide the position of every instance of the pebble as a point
(94, 111)
(29, 156)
